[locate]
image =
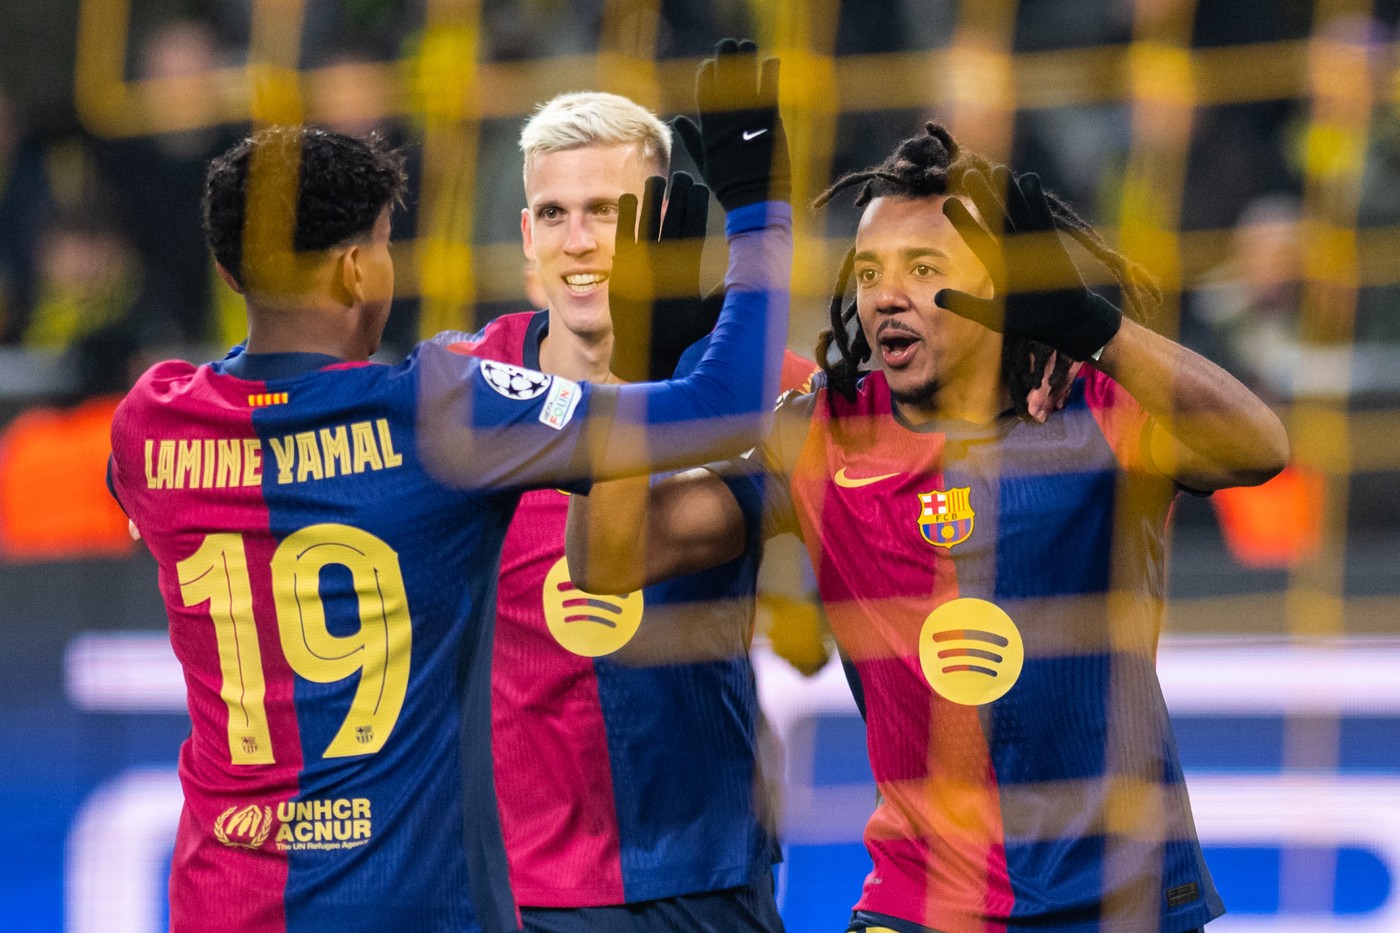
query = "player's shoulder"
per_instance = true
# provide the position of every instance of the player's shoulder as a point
(486, 391)
(793, 417)
(443, 358)
(168, 389)
(799, 401)
(798, 372)
(1097, 389)
(871, 390)
(159, 383)
(1096, 397)
(503, 339)
(817, 393)
(167, 372)
(870, 398)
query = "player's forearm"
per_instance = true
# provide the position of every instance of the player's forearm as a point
(627, 534)
(1212, 431)
(723, 406)
(606, 538)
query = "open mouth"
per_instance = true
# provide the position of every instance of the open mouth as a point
(896, 345)
(581, 283)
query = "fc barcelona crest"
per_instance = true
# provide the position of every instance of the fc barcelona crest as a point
(946, 516)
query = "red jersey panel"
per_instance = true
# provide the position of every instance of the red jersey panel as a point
(998, 590)
(625, 767)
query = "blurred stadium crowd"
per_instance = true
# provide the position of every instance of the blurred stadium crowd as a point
(1247, 151)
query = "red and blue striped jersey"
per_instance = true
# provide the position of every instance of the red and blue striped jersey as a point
(319, 581)
(625, 728)
(997, 590)
(327, 537)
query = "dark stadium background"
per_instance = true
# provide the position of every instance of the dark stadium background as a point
(1247, 151)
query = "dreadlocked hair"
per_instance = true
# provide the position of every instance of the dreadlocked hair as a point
(930, 165)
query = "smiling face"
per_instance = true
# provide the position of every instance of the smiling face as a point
(569, 225)
(906, 251)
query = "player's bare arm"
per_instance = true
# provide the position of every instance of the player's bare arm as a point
(1208, 430)
(626, 534)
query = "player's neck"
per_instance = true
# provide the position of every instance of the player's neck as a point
(975, 401)
(309, 330)
(575, 356)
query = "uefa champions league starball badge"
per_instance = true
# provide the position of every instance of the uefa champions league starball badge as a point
(514, 382)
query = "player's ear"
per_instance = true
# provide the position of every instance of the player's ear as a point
(349, 277)
(228, 278)
(527, 234)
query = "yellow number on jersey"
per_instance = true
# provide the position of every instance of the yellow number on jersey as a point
(380, 652)
(217, 573)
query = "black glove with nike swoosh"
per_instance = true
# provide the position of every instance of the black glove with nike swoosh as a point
(1039, 292)
(739, 144)
(654, 290)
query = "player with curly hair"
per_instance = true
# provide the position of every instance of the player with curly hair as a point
(327, 531)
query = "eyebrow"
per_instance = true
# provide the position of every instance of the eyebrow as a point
(914, 252)
(589, 205)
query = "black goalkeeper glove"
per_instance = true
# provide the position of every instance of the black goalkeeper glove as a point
(739, 144)
(1039, 294)
(653, 290)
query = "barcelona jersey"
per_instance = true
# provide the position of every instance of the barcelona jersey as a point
(624, 727)
(327, 536)
(997, 590)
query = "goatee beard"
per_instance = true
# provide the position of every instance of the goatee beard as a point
(915, 395)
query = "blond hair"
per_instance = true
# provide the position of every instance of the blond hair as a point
(595, 118)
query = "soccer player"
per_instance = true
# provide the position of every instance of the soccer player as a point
(327, 532)
(630, 794)
(996, 583)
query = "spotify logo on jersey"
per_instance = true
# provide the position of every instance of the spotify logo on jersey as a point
(584, 623)
(971, 652)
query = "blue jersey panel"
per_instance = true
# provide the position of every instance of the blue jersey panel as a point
(682, 727)
(383, 559)
(1033, 523)
(685, 795)
(683, 737)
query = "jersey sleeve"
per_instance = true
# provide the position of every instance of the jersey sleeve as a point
(798, 372)
(1123, 421)
(722, 405)
(761, 480)
(132, 414)
(484, 424)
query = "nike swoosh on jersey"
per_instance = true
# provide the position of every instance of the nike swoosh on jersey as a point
(855, 482)
(753, 134)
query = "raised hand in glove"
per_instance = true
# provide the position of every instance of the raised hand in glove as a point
(739, 144)
(654, 287)
(1039, 294)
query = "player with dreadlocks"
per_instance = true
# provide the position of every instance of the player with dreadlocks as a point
(933, 164)
(992, 569)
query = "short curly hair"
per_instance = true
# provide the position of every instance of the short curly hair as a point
(342, 185)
